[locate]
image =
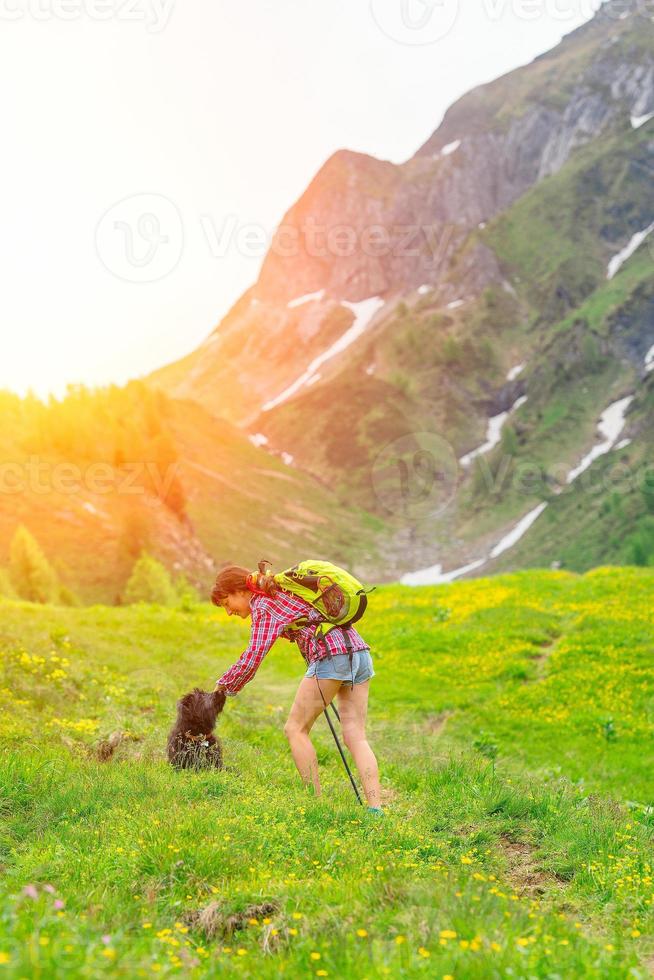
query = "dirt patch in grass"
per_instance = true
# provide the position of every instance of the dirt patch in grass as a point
(388, 795)
(648, 964)
(540, 658)
(435, 724)
(525, 873)
(214, 920)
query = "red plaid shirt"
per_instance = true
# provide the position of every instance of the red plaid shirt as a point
(270, 620)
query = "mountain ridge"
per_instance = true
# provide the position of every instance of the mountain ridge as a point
(493, 250)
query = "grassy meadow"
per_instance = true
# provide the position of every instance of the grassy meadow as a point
(514, 724)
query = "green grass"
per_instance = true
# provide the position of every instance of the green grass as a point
(511, 718)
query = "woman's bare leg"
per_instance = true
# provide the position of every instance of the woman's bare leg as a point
(307, 706)
(353, 706)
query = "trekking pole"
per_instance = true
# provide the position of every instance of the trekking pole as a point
(338, 744)
(338, 718)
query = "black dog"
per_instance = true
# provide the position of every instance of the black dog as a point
(191, 744)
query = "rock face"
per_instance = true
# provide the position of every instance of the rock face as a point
(365, 227)
(330, 239)
(632, 327)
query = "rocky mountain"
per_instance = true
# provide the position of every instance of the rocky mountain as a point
(461, 344)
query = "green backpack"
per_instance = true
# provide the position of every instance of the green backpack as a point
(338, 596)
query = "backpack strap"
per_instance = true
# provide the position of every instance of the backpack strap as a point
(348, 643)
(320, 636)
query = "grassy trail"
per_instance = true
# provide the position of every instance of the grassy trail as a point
(514, 723)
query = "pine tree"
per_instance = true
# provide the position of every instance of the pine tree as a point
(31, 574)
(150, 582)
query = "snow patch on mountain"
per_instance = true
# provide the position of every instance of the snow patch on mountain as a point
(517, 532)
(435, 574)
(307, 298)
(493, 433)
(515, 371)
(258, 439)
(450, 148)
(625, 253)
(638, 121)
(610, 425)
(364, 311)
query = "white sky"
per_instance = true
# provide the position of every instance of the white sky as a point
(228, 110)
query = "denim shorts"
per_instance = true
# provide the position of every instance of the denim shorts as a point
(337, 668)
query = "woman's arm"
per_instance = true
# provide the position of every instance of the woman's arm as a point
(264, 631)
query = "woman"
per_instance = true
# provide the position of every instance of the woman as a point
(326, 677)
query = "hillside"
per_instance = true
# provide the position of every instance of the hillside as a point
(510, 718)
(100, 476)
(494, 291)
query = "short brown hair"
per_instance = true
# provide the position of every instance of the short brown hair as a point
(232, 578)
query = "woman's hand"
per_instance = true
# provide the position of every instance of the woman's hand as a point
(220, 687)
